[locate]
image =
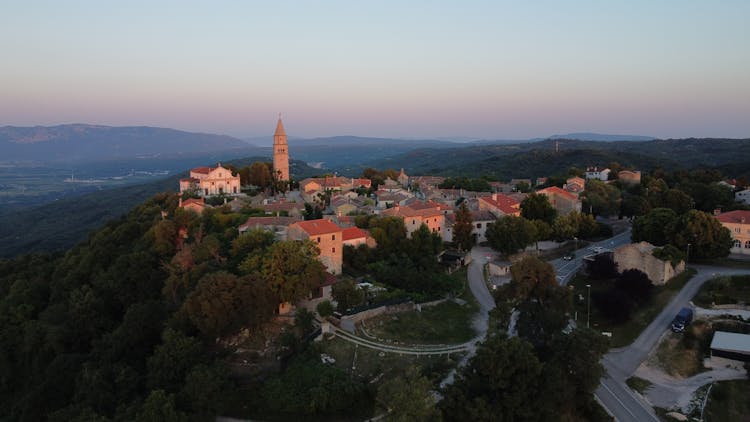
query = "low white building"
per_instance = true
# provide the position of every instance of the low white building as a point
(597, 173)
(743, 196)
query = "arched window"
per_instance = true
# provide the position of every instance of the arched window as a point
(737, 243)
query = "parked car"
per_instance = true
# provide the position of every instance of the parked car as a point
(569, 257)
(682, 320)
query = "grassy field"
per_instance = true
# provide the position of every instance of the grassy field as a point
(728, 401)
(682, 355)
(724, 290)
(624, 334)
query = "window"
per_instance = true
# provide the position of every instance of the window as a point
(318, 239)
(737, 244)
(747, 244)
(333, 250)
(333, 237)
(737, 230)
(413, 221)
(479, 225)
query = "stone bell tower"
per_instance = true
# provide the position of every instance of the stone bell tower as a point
(280, 153)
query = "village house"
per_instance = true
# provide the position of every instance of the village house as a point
(196, 205)
(574, 185)
(640, 256)
(738, 224)
(207, 181)
(354, 236)
(281, 207)
(480, 221)
(415, 216)
(385, 199)
(598, 173)
(562, 201)
(426, 181)
(342, 205)
(515, 183)
(326, 235)
(629, 177)
(499, 205)
(501, 187)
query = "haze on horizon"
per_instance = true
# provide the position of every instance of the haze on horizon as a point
(495, 70)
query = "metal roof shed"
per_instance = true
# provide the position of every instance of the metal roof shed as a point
(731, 346)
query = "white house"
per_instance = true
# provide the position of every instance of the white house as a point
(597, 173)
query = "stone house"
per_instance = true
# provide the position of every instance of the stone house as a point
(574, 185)
(195, 205)
(276, 225)
(480, 221)
(326, 235)
(562, 201)
(738, 224)
(499, 205)
(413, 218)
(640, 256)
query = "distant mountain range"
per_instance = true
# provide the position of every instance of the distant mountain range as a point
(82, 142)
(586, 136)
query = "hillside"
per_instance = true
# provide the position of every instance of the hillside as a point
(63, 223)
(540, 158)
(79, 142)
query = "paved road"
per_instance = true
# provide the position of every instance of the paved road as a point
(565, 270)
(621, 363)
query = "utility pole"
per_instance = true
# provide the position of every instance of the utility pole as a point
(588, 306)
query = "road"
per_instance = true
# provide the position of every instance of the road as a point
(621, 363)
(565, 270)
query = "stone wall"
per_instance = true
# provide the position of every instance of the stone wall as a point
(639, 256)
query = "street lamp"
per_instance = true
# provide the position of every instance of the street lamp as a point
(687, 258)
(588, 306)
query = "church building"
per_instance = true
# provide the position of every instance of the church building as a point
(209, 181)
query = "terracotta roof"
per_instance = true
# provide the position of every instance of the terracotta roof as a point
(361, 182)
(350, 233)
(407, 211)
(328, 280)
(315, 227)
(282, 206)
(502, 202)
(554, 190)
(203, 170)
(734, 217)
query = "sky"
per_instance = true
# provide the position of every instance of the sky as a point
(417, 69)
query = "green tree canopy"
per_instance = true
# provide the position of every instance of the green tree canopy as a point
(291, 269)
(408, 397)
(656, 227)
(509, 234)
(462, 228)
(537, 207)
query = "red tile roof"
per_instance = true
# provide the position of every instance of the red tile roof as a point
(203, 170)
(502, 202)
(554, 190)
(316, 227)
(350, 233)
(734, 217)
(268, 221)
(189, 201)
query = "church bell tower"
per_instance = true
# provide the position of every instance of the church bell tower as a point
(280, 153)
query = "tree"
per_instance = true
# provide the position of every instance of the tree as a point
(325, 308)
(636, 284)
(223, 303)
(656, 227)
(601, 198)
(204, 389)
(707, 237)
(613, 304)
(160, 407)
(537, 207)
(347, 295)
(260, 174)
(543, 304)
(291, 269)
(508, 234)
(172, 360)
(408, 397)
(500, 383)
(249, 249)
(462, 228)
(634, 205)
(602, 267)
(303, 319)
(389, 233)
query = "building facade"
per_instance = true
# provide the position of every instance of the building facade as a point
(207, 181)
(327, 236)
(738, 224)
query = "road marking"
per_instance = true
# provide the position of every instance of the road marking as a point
(620, 401)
